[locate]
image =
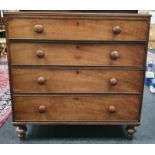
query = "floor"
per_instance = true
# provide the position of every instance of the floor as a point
(87, 134)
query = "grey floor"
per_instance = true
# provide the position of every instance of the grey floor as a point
(88, 134)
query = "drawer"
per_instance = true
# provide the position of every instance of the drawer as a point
(77, 29)
(77, 54)
(48, 80)
(76, 108)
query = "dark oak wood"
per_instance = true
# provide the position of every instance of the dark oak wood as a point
(75, 81)
(76, 108)
(78, 54)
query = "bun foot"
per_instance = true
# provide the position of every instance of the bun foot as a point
(130, 132)
(21, 132)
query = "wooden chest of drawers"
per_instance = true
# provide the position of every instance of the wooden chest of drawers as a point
(77, 68)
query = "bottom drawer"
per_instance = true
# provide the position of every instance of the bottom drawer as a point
(77, 108)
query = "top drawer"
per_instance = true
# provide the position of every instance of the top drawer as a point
(77, 29)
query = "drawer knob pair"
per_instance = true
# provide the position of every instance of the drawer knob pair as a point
(40, 53)
(116, 30)
(113, 81)
(112, 109)
(42, 109)
(41, 80)
(38, 28)
(114, 55)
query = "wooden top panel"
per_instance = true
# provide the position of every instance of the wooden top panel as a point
(83, 15)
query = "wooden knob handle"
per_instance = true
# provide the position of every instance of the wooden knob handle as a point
(38, 28)
(112, 109)
(113, 81)
(42, 109)
(114, 55)
(116, 30)
(40, 53)
(41, 80)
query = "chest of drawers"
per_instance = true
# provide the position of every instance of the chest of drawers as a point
(76, 68)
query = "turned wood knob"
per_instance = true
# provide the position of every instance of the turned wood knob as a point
(114, 55)
(38, 28)
(41, 80)
(40, 53)
(116, 30)
(112, 109)
(42, 109)
(113, 81)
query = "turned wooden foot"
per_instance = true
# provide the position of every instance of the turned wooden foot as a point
(130, 131)
(21, 131)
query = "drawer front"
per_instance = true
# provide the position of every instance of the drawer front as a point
(77, 29)
(76, 108)
(77, 54)
(37, 80)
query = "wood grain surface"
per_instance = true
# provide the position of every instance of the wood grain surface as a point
(62, 72)
(75, 81)
(76, 108)
(77, 29)
(77, 54)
